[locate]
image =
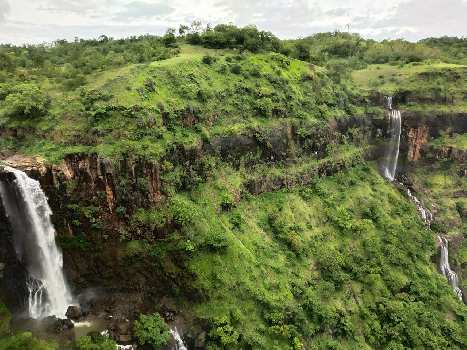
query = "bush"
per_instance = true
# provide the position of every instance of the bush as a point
(25, 341)
(223, 332)
(236, 69)
(26, 101)
(94, 343)
(5, 318)
(208, 59)
(152, 330)
(183, 210)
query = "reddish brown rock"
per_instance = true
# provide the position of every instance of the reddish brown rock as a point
(417, 138)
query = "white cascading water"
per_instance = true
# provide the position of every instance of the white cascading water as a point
(392, 151)
(34, 238)
(426, 215)
(389, 171)
(179, 345)
(446, 268)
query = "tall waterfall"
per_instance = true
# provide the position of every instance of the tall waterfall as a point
(446, 269)
(34, 239)
(392, 151)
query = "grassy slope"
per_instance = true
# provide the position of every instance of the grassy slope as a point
(302, 264)
(456, 141)
(342, 263)
(288, 267)
(439, 185)
(425, 80)
(231, 94)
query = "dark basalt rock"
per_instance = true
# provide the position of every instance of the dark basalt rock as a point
(56, 325)
(14, 274)
(120, 330)
(74, 312)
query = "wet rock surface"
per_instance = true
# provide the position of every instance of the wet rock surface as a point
(74, 312)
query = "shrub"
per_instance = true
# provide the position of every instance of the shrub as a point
(460, 207)
(152, 330)
(236, 69)
(208, 59)
(25, 341)
(26, 101)
(183, 210)
(94, 343)
(223, 332)
(5, 318)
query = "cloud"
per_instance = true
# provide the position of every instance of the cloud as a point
(71, 6)
(23, 33)
(4, 10)
(337, 12)
(416, 19)
(284, 17)
(410, 19)
(143, 9)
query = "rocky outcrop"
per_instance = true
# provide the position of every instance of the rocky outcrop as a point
(419, 129)
(13, 273)
(94, 200)
(417, 138)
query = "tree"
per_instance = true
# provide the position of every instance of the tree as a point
(303, 52)
(25, 101)
(169, 39)
(152, 330)
(183, 29)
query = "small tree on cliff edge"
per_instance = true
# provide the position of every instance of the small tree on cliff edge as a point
(151, 330)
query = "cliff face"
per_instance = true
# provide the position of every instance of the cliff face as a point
(419, 129)
(417, 138)
(95, 200)
(13, 274)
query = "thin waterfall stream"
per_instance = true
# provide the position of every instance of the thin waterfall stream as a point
(446, 268)
(391, 156)
(29, 213)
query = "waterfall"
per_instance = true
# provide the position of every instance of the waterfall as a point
(426, 215)
(446, 269)
(34, 239)
(392, 151)
(179, 345)
(388, 102)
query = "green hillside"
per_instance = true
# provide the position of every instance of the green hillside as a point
(230, 181)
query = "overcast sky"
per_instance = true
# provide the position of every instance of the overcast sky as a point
(37, 21)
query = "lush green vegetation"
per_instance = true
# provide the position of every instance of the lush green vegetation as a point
(94, 343)
(421, 86)
(320, 266)
(69, 91)
(152, 330)
(456, 141)
(19, 341)
(147, 109)
(66, 64)
(289, 239)
(440, 186)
